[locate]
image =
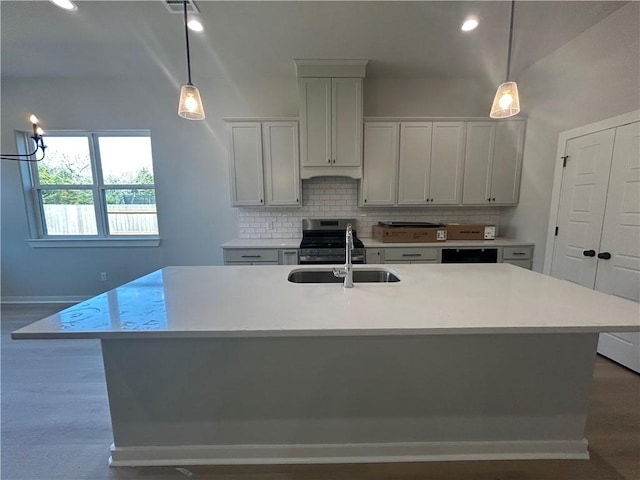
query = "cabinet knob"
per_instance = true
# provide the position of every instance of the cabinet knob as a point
(589, 253)
(261, 201)
(334, 160)
(328, 160)
(297, 200)
(432, 200)
(365, 200)
(493, 199)
(604, 255)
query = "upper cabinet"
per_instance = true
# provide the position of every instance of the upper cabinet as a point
(331, 126)
(264, 163)
(379, 181)
(493, 162)
(412, 163)
(430, 163)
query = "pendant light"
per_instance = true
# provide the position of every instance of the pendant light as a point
(190, 106)
(506, 102)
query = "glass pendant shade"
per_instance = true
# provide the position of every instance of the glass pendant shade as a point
(506, 102)
(190, 106)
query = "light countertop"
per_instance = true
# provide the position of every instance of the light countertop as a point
(258, 301)
(372, 243)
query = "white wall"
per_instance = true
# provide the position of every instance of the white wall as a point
(593, 77)
(190, 163)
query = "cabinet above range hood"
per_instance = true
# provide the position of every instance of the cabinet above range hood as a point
(330, 95)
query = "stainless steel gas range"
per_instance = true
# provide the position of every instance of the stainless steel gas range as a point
(324, 242)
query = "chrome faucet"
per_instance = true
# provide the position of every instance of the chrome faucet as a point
(347, 271)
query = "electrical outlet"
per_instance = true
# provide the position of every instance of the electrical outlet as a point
(103, 276)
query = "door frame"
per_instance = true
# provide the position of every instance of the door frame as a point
(563, 137)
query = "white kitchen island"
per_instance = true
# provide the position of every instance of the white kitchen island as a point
(237, 365)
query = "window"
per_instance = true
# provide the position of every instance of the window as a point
(94, 185)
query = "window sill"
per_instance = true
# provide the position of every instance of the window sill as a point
(94, 242)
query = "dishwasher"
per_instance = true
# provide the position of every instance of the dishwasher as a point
(469, 255)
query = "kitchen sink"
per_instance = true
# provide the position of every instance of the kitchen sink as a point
(327, 276)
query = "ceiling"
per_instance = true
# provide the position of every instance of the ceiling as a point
(136, 39)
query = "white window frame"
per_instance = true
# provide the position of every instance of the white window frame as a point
(35, 216)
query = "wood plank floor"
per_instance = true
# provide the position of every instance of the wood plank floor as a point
(55, 425)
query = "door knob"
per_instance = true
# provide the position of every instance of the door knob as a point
(604, 255)
(589, 253)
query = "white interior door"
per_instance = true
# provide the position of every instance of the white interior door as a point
(582, 203)
(620, 274)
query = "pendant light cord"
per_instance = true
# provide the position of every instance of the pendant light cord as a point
(186, 34)
(513, 2)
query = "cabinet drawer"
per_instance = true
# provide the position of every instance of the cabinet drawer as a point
(520, 263)
(251, 255)
(517, 253)
(410, 254)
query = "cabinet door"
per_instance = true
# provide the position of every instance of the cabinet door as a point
(447, 155)
(415, 163)
(507, 162)
(245, 164)
(477, 163)
(281, 163)
(315, 121)
(380, 164)
(346, 124)
(288, 257)
(373, 255)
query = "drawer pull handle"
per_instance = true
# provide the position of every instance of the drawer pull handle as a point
(519, 253)
(251, 256)
(411, 254)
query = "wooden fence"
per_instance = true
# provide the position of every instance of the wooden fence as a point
(81, 219)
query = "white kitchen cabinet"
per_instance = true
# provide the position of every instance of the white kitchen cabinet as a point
(411, 255)
(281, 163)
(379, 180)
(260, 256)
(245, 164)
(430, 163)
(331, 126)
(520, 256)
(289, 257)
(264, 158)
(493, 160)
(251, 256)
(373, 255)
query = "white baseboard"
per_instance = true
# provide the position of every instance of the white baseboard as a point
(41, 299)
(345, 453)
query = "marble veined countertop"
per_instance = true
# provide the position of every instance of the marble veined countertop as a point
(259, 301)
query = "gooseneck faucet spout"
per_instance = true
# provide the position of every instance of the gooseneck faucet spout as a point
(348, 266)
(347, 272)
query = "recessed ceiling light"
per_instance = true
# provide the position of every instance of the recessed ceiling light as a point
(195, 25)
(65, 4)
(469, 24)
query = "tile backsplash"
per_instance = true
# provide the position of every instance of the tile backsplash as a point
(337, 197)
